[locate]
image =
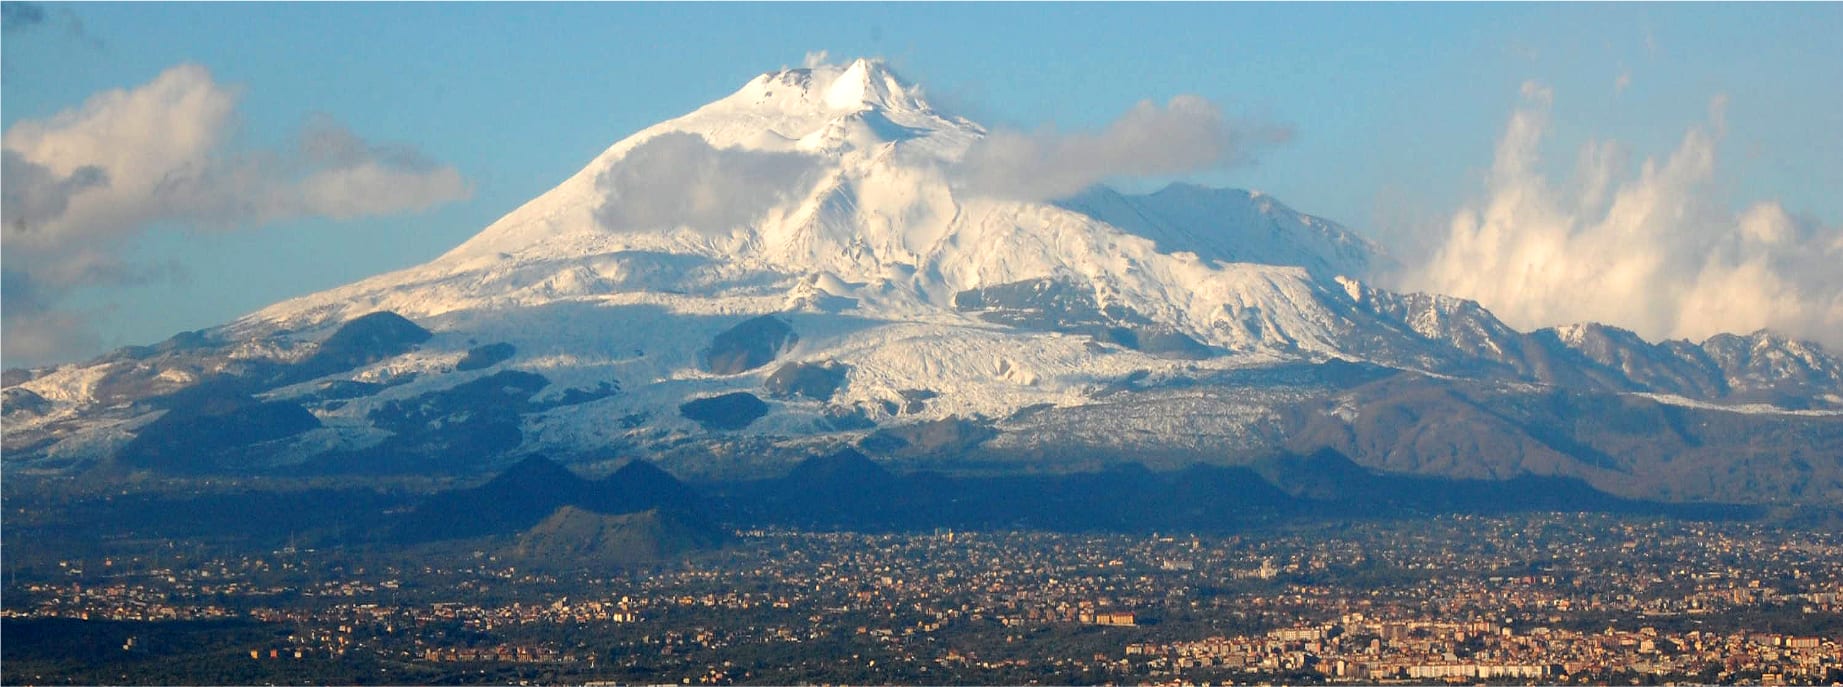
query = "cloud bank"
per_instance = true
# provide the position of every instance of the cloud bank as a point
(81, 185)
(1189, 134)
(1653, 252)
(679, 180)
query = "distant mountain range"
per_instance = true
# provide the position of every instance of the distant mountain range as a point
(795, 270)
(554, 517)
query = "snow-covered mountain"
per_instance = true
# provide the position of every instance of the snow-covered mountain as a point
(797, 266)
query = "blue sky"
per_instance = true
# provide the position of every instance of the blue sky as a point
(1396, 110)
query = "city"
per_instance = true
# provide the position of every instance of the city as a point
(1462, 599)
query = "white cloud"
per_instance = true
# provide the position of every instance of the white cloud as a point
(83, 183)
(1652, 252)
(162, 149)
(1189, 134)
(678, 180)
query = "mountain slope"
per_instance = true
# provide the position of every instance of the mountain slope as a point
(796, 268)
(1230, 225)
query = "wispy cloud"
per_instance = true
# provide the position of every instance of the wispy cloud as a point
(82, 184)
(678, 180)
(23, 17)
(1653, 252)
(1189, 134)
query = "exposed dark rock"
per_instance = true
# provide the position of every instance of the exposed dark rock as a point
(346, 389)
(1026, 412)
(842, 419)
(1042, 304)
(22, 402)
(916, 400)
(1068, 306)
(15, 376)
(466, 424)
(362, 341)
(817, 381)
(214, 432)
(334, 393)
(1170, 343)
(482, 357)
(147, 381)
(728, 411)
(748, 345)
(574, 396)
(1129, 383)
(177, 343)
(937, 437)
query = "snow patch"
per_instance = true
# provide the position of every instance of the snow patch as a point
(1743, 408)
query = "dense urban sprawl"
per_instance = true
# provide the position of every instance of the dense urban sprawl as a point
(1520, 599)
